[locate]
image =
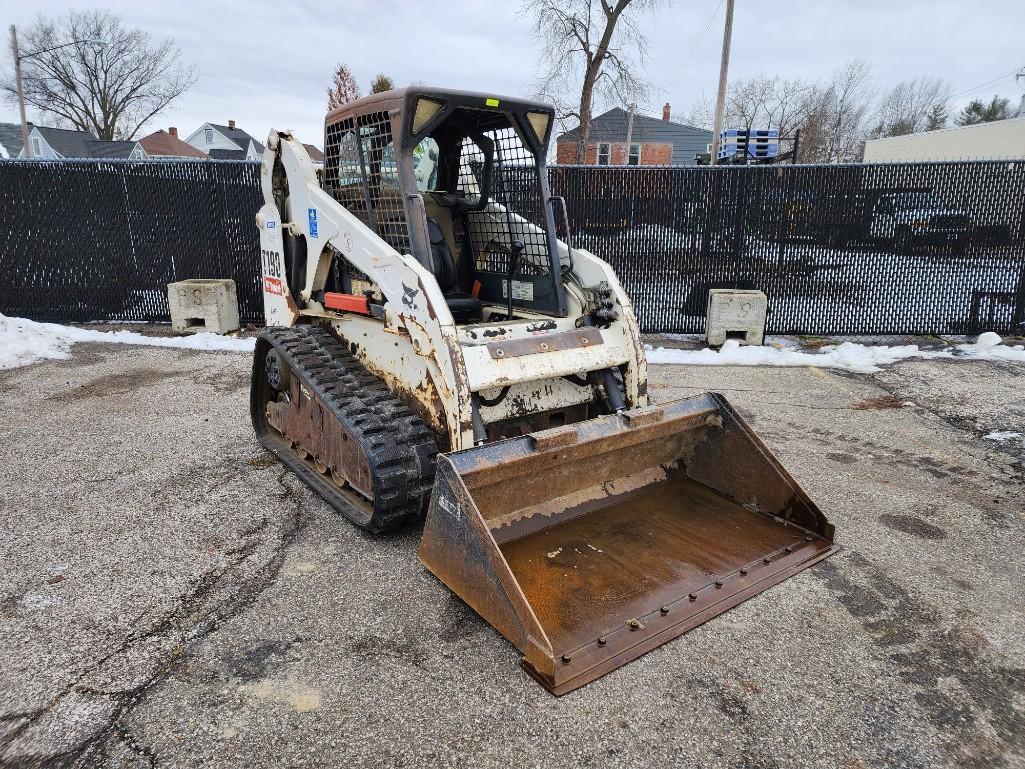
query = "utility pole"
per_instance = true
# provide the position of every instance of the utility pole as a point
(21, 91)
(1020, 79)
(720, 102)
(629, 133)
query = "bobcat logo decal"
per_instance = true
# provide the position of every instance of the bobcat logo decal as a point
(408, 295)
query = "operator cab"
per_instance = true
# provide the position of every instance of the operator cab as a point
(458, 181)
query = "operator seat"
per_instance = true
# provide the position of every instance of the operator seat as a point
(464, 308)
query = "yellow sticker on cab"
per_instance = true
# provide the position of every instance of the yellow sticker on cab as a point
(491, 102)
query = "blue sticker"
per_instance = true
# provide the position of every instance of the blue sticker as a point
(271, 224)
(313, 222)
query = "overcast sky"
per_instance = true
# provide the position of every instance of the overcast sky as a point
(265, 64)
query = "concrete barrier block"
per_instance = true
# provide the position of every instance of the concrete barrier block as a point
(735, 314)
(203, 305)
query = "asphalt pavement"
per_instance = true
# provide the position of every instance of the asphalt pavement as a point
(171, 597)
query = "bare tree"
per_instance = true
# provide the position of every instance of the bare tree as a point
(701, 113)
(769, 102)
(103, 78)
(834, 130)
(911, 106)
(343, 87)
(588, 47)
(759, 102)
(836, 116)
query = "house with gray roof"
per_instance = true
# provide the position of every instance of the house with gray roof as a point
(652, 141)
(66, 144)
(229, 142)
(225, 142)
(10, 140)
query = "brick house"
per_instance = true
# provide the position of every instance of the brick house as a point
(166, 144)
(653, 142)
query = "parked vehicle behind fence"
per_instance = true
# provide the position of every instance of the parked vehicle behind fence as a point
(907, 220)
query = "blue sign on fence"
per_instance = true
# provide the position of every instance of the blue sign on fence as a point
(313, 222)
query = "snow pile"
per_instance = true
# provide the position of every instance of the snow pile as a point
(646, 233)
(849, 356)
(24, 341)
(1002, 436)
(988, 347)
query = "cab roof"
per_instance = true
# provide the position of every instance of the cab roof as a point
(397, 100)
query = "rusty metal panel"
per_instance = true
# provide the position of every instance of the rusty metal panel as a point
(458, 549)
(565, 340)
(613, 536)
(301, 421)
(602, 583)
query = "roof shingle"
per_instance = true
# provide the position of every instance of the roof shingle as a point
(10, 139)
(113, 149)
(237, 135)
(72, 144)
(161, 144)
(219, 154)
(68, 143)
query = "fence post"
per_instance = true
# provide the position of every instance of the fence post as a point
(740, 204)
(1018, 314)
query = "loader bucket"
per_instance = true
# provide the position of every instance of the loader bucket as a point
(590, 544)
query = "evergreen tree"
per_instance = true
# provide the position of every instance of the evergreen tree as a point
(382, 83)
(937, 117)
(979, 112)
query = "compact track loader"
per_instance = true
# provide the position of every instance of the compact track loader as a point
(432, 348)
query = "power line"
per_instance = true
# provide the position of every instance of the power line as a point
(693, 50)
(654, 114)
(983, 85)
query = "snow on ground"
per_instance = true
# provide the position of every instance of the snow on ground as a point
(1003, 436)
(25, 341)
(864, 289)
(849, 356)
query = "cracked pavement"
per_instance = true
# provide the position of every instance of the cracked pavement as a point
(172, 597)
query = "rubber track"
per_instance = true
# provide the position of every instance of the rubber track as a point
(399, 446)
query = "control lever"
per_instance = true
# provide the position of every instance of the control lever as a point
(516, 248)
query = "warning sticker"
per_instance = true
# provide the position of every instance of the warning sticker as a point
(272, 286)
(313, 222)
(522, 290)
(448, 505)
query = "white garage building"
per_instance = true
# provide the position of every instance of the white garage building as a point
(999, 140)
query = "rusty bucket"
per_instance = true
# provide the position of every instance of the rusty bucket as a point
(590, 544)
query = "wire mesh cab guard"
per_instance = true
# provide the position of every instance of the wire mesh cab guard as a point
(491, 174)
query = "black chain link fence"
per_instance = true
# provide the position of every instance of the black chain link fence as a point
(84, 240)
(912, 248)
(860, 249)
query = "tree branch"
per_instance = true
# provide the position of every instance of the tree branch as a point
(110, 85)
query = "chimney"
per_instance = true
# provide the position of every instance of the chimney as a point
(231, 124)
(665, 112)
(173, 131)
